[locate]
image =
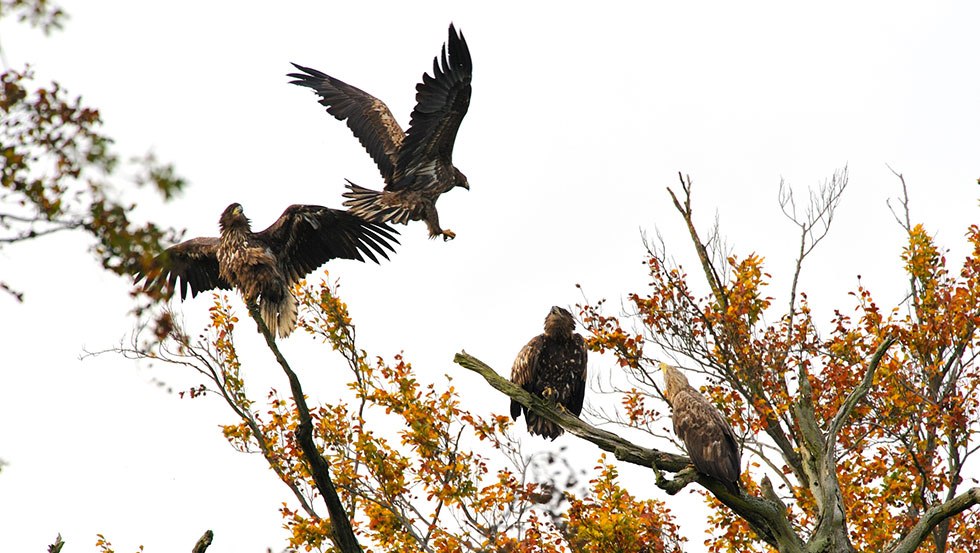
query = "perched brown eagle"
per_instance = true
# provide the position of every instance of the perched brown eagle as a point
(709, 439)
(417, 165)
(552, 365)
(265, 265)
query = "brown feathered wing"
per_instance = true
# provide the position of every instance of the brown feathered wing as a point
(307, 236)
(366, 116)
(191, 264)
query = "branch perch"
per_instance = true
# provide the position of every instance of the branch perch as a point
(767, 519)
(624, 450)
(319, 467)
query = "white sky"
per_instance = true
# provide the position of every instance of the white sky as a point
(579, 120)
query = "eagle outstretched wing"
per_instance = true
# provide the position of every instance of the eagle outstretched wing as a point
(441, 101)
(523, 371)
(193, 263)
(366, 116)
(307, 236)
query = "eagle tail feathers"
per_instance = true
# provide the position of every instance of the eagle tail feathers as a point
(369, 205)
(280, 316)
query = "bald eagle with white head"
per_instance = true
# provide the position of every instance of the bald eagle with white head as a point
(709, 439)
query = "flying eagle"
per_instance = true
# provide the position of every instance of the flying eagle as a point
(709, 438)
(417, 164)
(552, 365)
(265, 265)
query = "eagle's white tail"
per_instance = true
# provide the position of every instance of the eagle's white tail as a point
(370, 205)
(280, 316)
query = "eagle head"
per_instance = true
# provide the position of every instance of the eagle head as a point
(559, 322)
(674, 381)
(459, 179)
(233, 215)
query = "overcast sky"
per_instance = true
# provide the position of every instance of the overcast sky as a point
(579, 120)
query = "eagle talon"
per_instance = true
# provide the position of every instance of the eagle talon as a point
(448, 235)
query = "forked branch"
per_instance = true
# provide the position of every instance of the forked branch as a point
(714, 281)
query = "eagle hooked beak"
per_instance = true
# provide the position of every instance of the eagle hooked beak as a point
(238, 210)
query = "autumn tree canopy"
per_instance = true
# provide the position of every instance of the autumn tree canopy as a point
(858, 434)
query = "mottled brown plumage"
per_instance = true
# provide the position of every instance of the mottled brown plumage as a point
(265, 265)
(417, 164)
(709, 439)
(552, 365)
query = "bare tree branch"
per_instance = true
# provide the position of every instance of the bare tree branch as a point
(904, 220)
(714, 281)
(19, 296)
(204, 361)
(814, 225)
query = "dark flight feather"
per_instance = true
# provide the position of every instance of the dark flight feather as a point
(441, 101)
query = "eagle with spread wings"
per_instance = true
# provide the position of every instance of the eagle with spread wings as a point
(417, 164)
(710, 440)
(552, 365)
(265, 265)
